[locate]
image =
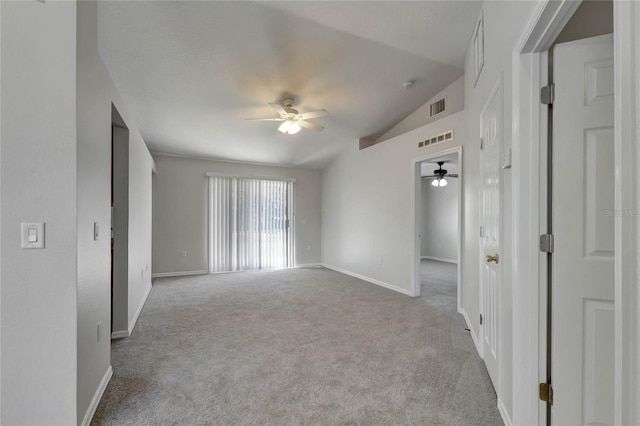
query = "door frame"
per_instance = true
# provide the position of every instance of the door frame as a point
(417, 208)
(529, 192)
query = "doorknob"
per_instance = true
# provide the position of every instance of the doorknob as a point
(495, 258)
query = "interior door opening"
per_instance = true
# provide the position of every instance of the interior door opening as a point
(580, 187)
(438, 224)
(119, 226)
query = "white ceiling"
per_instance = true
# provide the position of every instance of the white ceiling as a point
(191, 72)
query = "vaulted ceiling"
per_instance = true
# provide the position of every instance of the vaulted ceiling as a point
(191, 72)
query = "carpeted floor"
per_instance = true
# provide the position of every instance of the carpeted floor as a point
(298, 347)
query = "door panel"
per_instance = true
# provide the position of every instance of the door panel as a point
(582, 357)
(490, 285)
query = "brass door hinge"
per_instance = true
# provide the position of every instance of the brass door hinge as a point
(480, 319)
(546, 393)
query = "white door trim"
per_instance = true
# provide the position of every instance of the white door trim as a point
(627, 205)
(529, 209)
(415, 211)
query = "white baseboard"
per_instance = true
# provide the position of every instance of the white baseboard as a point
(120, 334)
(371, 280)
(503, 412)
(476, 342)
(88, 416)
(134, 320)
(439, 259)
(308, 265)
(177, 274)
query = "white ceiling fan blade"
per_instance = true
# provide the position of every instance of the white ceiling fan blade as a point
(313, 114)
(278, 108)
(311, 126)
(264, 119)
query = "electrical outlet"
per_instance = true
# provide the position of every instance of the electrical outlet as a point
(183, 253)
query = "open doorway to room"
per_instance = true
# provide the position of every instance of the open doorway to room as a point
(569, 53)
(438, 201)
(119, 226)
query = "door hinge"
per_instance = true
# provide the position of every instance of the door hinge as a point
(481, 144)
(546, 243)
(480, 319)
(546, 393)
(547, 94)
(482, 232)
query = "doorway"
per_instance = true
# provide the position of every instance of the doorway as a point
(119, 226)
(581, 279)
(437, 225)
(563, 163)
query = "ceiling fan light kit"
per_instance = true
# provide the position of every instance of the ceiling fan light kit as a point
(289, 127)
(292, 120)
(439, 182)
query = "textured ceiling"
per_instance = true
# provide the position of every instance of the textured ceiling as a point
(191, 72)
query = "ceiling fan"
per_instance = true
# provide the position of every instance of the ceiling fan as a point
(292, 120)
(439, 175)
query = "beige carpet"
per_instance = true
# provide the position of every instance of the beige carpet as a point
(298, 347)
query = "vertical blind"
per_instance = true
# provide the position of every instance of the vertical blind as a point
(249, 224)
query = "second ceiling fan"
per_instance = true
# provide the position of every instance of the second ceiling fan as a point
(439, 174)
(292, 120)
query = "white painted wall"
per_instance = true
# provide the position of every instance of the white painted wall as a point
(367, 204)
(39, 300)
(454, 94)
(96, 93)
(180, 210)
(440, 219)
(503, 23)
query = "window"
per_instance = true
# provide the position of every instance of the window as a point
(249, 224)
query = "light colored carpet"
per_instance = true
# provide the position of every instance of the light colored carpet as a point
(298, 347)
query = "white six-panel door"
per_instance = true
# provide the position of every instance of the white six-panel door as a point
(582, 360)
(490, 277)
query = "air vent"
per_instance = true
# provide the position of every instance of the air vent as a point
(442, 137)
(437, 107)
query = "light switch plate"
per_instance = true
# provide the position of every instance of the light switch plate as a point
(32, 235)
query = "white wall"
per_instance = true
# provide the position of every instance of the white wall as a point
(96, 93)
(454, 94)
(367, 204)
(503, 23)
(39, 301)
(440, 219)
(180, 210)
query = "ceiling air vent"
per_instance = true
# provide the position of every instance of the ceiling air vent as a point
(442, 137)
(437, 107)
